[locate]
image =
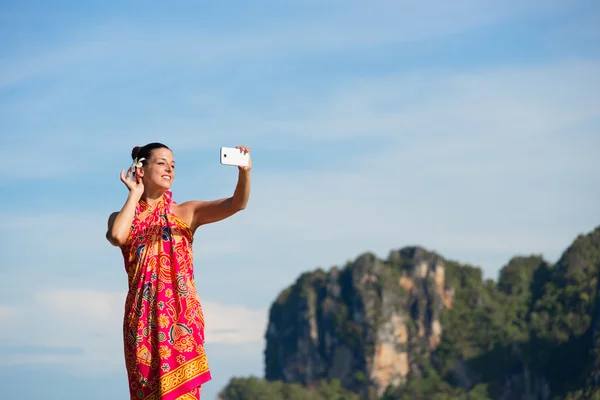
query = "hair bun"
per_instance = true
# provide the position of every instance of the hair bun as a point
(135, 152)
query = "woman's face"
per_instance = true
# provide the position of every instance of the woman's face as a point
(159, 170)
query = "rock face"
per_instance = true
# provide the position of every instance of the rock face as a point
(367, 325)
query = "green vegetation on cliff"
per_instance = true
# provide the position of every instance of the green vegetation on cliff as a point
(260, 389)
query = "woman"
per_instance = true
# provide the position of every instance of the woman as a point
(163, 328)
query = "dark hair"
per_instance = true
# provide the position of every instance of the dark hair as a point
(146, 151)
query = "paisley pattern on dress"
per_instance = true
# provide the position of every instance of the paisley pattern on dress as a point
(163, 327)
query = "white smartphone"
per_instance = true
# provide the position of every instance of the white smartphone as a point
(233, 156)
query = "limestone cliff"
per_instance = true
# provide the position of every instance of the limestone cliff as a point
(368, 325)
(418, 326)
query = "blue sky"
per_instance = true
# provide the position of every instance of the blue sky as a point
(470, 128)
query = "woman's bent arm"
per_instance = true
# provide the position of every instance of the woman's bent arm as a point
(207, 212)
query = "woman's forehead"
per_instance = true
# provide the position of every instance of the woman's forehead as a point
(163, 153)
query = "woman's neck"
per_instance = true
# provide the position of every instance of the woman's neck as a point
(151, 197)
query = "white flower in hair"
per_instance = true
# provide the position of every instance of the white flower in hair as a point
(137, 164)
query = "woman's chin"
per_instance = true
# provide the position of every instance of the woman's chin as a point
(162, 185)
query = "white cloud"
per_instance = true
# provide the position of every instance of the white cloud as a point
(44, 224)
(124, 42)
(83, 328)
(234, 323)
(436, 110)
(405, 206)
(55, 320)
(428, 103)
(92, 307)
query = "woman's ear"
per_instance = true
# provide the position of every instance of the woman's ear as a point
(139, 174)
